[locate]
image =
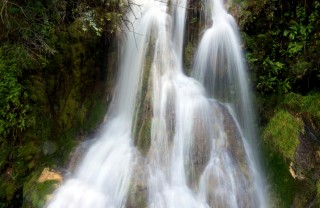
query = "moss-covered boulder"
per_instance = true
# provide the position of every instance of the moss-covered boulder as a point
(38, 189)
(291, 141)
(282, 133)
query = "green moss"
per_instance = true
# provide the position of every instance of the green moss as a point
(4, 153)
(35, 193)
(282, 186)
(25, 159)
(293, 101)
(70, 108)
(66, 144)
(188, 57)
(311, 104)
(144, 142)
(282, 133)
(318, 191)
(35, 87)
(28, 150)
(77, 55)
(8, 188)
(308, 107)
(95, 115)
(143, 110)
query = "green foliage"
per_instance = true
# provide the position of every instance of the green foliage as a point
(282, 133)
(299, 31)
(103, 16)
(282, 40)
(308, 104)
(30, 24)
(270, 81)
(14, 116)
(49, 66)
(95, 116)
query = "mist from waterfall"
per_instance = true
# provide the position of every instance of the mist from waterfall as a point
(201, 138)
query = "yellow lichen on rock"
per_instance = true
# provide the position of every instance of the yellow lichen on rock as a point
(48, 174)
(294, 173)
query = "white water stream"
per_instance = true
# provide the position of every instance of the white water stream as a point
(201, 132)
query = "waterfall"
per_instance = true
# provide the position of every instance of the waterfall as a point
(219, 66)
(169, 140)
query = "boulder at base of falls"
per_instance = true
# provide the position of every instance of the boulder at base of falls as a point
(38, 190)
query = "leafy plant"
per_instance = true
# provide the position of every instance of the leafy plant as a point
(14, 116)
(282, 39)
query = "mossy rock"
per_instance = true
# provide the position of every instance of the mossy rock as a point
(282, 133)
(308, 106)
(189, 51)
(138, 189)
(67, 141)
(69, 110)
(143, 111)
(37, 190)
(282, 185)
(292, 136)
(77, 59)
(8, 188)
(95, 115)
(143, 142)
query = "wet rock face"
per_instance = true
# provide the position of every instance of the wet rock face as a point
(317, 156)
(78, 154)
(234, 141)
(171, 115)
(200, 150)
(246, 198)
(138, 191)
(306, 166)
(307, 157)
(230, 152)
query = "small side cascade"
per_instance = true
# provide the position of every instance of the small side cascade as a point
(219, 65)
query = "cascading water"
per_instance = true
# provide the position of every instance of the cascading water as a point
(220, 67)
(195, 154)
